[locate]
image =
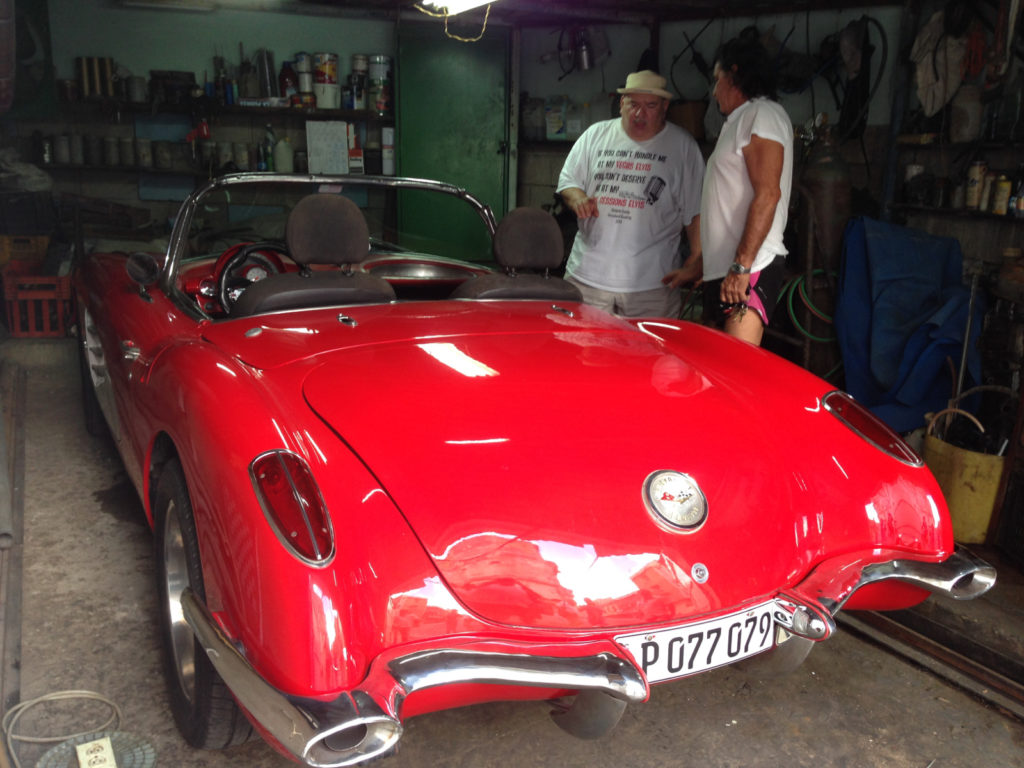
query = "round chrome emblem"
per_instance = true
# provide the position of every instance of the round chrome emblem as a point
(675, 500)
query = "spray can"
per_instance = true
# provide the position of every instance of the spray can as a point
(975, 179)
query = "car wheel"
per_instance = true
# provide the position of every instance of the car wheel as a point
(203, 707)
(780, 660)
(94, 423)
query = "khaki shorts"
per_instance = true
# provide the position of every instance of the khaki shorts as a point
(658, 302)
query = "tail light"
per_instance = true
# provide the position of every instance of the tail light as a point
(870, 427)
(292, 502)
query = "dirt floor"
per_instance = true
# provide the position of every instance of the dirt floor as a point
(87, 613)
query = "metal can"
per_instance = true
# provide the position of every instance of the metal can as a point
(379, 67)
(975, 178)
(1001, 196)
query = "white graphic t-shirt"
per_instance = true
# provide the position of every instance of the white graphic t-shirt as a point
(646, 192)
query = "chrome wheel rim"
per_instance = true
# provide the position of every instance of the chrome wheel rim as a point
(181, 638)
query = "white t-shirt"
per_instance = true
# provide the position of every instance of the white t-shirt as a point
(728, 191)
(646, 192)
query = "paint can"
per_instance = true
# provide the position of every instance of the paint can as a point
(325, 68)
(303, 63)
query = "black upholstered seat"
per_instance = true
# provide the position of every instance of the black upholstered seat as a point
(526, 239)
(321, 230)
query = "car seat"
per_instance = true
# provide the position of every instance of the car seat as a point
(525, 239)
(324, 230)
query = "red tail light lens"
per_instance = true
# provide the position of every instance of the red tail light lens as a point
(292, 502)
(870, 427)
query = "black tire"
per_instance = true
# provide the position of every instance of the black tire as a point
(95, 424)
(203, 707)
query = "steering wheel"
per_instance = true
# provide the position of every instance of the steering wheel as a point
(265, 255)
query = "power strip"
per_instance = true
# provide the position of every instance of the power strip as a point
(96, 754)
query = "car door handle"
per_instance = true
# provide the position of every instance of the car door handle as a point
(129, 351)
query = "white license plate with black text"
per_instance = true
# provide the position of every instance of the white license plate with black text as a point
(693, 648)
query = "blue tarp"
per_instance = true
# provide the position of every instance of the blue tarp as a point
(901, 315)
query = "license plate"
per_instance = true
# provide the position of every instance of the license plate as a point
(692, 648)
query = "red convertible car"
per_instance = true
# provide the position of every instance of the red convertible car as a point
(394, 465)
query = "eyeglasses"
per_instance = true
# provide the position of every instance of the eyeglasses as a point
(635, 106)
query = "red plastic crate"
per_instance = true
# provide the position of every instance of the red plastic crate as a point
(38, 306)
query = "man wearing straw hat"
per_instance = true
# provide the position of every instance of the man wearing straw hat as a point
(634, 183)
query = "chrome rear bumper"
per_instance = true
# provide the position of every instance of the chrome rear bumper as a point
(366, 723)
(358, 727)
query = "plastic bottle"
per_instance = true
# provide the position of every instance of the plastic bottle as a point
(284, 156)
(269, 140)
(288, 82)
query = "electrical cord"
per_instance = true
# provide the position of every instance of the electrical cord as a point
(14, 714)
(452, 35)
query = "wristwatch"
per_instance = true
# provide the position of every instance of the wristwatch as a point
(738, 269)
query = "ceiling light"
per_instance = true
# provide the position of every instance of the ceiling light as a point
(455, 6)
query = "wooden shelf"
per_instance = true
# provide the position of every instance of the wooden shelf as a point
(88, 109)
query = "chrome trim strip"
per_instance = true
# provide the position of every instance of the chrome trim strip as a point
(603, 672)
(303, 727)
(914, 461)
(325, 558)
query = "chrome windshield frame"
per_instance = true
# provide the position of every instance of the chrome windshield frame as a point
(178, 242)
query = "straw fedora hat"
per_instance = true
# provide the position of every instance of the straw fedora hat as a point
(646, 82)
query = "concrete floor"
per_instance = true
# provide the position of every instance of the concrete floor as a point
(87, 621)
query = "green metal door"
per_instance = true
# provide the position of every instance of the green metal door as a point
(452, 123)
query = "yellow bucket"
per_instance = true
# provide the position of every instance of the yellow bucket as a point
(969, 481)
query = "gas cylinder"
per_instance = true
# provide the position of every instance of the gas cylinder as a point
(825, 203)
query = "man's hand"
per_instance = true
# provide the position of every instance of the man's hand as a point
(691, 272)
(583, 206)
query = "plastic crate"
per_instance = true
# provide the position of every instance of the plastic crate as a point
(23, 248)
(38, 306)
